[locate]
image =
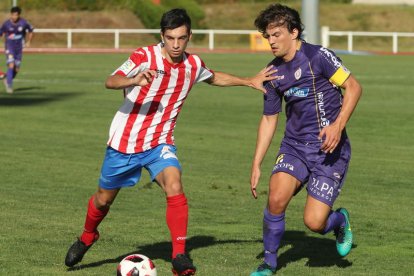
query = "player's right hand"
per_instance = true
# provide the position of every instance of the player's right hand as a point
(254, 180)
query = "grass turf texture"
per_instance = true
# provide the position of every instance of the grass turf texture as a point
(53, 134)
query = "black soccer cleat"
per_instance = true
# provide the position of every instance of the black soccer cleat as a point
(183, 266)
(76, 253)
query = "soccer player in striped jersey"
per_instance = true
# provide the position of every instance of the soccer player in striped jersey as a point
(156, 81)
(14, 31)
(315, 149)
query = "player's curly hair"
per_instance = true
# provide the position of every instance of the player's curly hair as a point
(175, 18)
(16, 9)
(279, 15)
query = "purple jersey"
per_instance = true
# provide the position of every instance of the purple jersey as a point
(309, 85)
(15, 32)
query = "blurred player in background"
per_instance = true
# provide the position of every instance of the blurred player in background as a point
(14, 31)
(156, 81)
(315, 148)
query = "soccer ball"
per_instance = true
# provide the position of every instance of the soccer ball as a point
(136, 265)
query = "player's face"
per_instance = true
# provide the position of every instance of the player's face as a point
(282, 42)
(14, 16)
(175, 42)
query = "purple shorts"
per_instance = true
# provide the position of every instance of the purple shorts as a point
(14, 55)
(324, 173)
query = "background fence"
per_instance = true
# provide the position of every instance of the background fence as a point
(211, 35)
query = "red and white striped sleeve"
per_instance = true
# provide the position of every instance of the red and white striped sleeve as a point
(204, 72)
(133, 65)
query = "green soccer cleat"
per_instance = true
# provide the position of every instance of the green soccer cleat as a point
(264, 270)
(344, 235)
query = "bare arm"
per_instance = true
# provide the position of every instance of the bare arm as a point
(256, 82)
(265, 133)
(121, 82)
(332, 133)
(29, 39)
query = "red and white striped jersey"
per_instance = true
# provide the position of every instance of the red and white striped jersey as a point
(148, 115)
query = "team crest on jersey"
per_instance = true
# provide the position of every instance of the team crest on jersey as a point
(20, 28)
(187, 75)
(298, 73)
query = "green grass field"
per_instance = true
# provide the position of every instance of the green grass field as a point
(53, 132)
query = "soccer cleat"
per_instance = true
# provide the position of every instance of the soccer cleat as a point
(264, 270)
(77, 251)
(8, 88)
(183, 266)
(344, 235)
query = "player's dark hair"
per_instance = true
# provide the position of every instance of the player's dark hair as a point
(175, 18)
(16, 9)
(279, 15)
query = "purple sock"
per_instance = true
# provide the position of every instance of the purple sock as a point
(273, 230)
(10, 73)
(334, 221)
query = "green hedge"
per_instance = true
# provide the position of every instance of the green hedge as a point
(72, 5)
(284, 2)
(150, 14)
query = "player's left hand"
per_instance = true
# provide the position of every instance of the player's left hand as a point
(145, 77)
(254, 180)
(265, 74)
(27, 44)
(330, 135)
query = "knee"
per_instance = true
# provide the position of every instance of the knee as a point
(277, 204)
(314, 224)
(173, 188)
(102, 201)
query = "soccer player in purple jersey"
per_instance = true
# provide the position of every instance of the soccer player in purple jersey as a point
(315, 148)
(14, 31)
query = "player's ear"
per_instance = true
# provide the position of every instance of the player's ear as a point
(190, 35)
(162, 38)
(295, 34)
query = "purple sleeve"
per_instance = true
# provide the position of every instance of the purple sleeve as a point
(29, 27)
(272, 100)
(329, 62)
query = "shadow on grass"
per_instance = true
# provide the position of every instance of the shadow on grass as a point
(162, 250)
(27, 96)
(319, 251)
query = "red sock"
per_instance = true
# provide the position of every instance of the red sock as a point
(177, 221)
(94, 217)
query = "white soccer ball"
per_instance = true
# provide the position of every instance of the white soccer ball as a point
(136, 265)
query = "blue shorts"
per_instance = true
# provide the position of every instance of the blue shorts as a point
(124, 170)
(324, 173)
